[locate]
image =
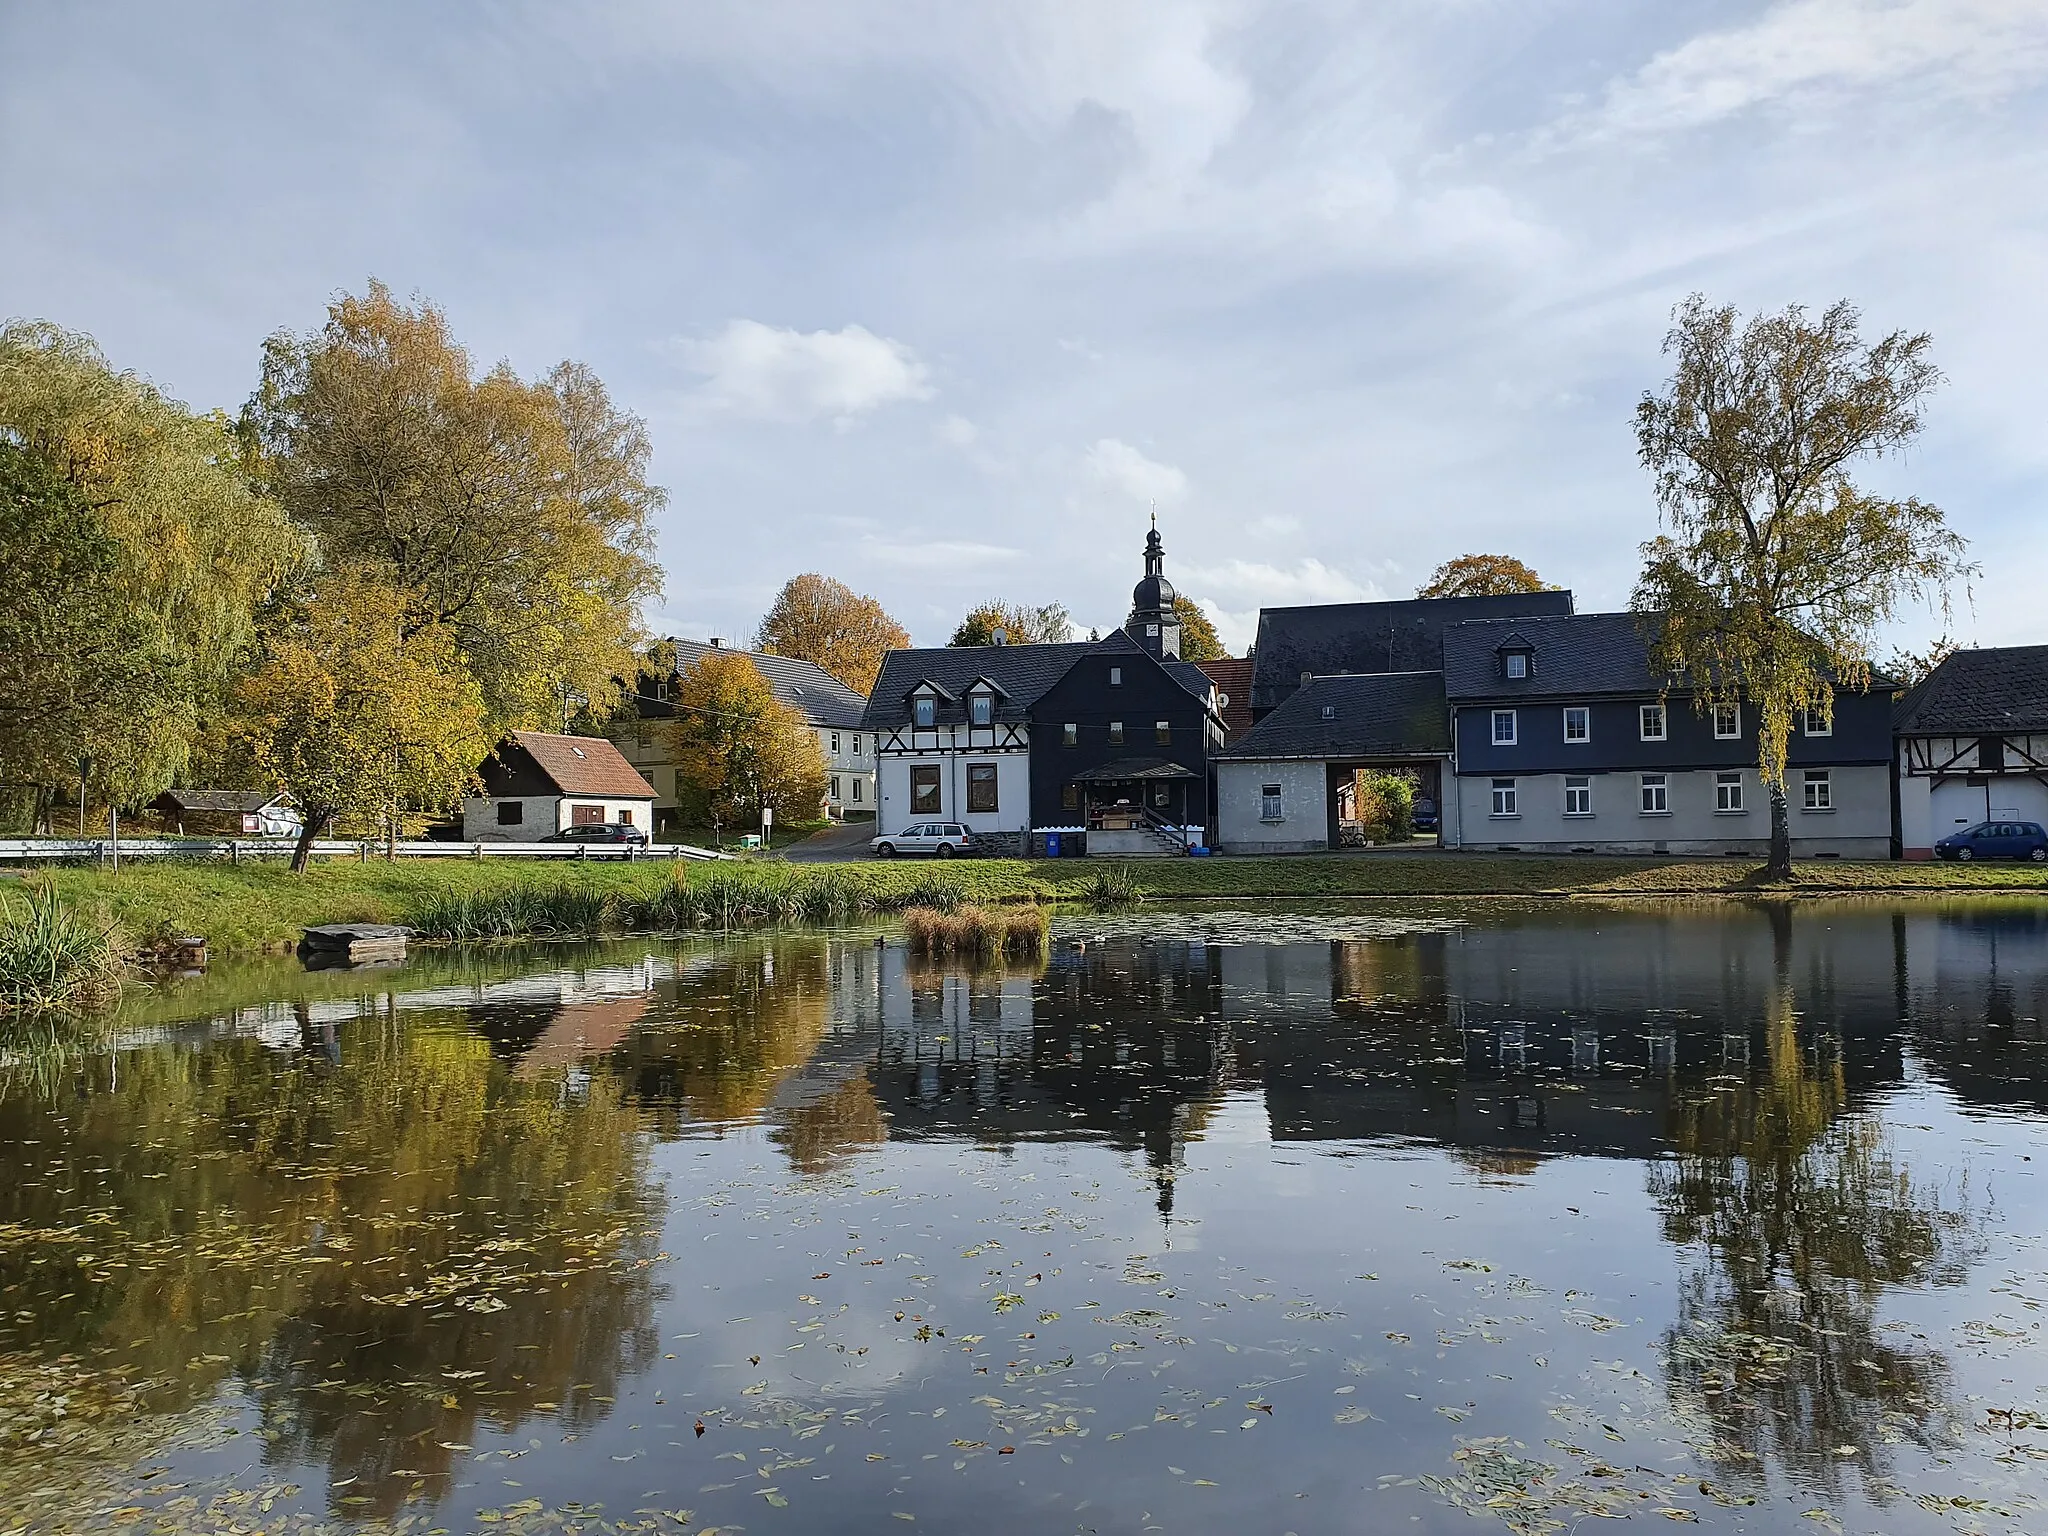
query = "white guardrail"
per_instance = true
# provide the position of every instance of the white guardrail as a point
(38, 850)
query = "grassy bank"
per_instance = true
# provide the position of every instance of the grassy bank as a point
(258, 905)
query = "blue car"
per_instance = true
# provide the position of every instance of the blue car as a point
(1996, 840)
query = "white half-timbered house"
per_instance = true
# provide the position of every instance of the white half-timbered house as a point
(1971, 745)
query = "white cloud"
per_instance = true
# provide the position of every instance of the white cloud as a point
(1124, 469)
(787, 375)
(1823, 48)
(959, 431)
(1261, 585)
(950, 555)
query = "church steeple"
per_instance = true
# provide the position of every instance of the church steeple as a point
(1153, 623)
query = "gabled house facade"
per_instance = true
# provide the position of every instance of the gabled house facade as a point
(538, 783)
(1566, 741)
(1972, 745)
(833, 711)
(1104, 744)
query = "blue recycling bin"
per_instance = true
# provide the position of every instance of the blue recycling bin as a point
(1052, 845)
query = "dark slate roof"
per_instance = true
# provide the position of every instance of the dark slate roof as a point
(1117, 770)
(1577, 656)
(220, 801)
(1998, 689)
(1330, 638)
(803, 685)
(1383, 715)
(1022, 672)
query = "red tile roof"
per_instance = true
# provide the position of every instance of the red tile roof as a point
(585, 765)
(1232, 676)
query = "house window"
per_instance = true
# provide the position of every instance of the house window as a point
(1162, 733)
(1652, 721)
(981, 709)
(1578, 723)
(1116, 733)
(981, 786)
(1727, 791)
(626, 818)
(1727, 722)
(856, 746)
(1070, 797)
(1161, 796)
(1816, 722)
(511, 812)
(1116, 677)
(1518, 664)
(1504, 801)
(924, 712)
(856, 789)
(1820, 790)
(1503, 727)
(835, 750)
(586, 815)
(1656, 791)
(1269, 803)
(1070, 735)
(924, 789)
(1578, 797)
(835, 786)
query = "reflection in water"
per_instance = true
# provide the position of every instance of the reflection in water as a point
(383, 1222)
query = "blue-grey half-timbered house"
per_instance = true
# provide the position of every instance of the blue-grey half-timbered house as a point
(1566, 741)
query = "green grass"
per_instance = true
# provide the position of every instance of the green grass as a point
(264, 905)
(53, 959)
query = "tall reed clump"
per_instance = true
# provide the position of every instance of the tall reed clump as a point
(53, 960)
(1113, 888)
(517, 912)
(748, 896)
(979, 933)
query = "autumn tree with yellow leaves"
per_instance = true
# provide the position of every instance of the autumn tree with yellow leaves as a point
(739, 749)
(817, 619)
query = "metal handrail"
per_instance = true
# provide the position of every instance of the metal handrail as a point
(52, 849)
(1166, 828)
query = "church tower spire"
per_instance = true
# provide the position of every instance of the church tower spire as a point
(1153, 622)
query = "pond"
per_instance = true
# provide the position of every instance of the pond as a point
(1401, 1219)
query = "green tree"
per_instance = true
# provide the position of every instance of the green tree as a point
(1198, 638)
(515, 514)
(1020, 623)
(354, 711)
(1482, 576)
(1776, 569)
(738, 748)
(187, 550)
(826, 622)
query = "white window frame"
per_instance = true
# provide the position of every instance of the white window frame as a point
(1813, 723)
(856, 746)
(1518, 665)
(1513, 727)
(1585, 715)
(1653, 794)
(1506, 800)
(1645, 713)
(1734, 735)
(835, 786)
(835, 750)
(1271, 803)
(1726, 804)
(1817, 790)
(1580, 785)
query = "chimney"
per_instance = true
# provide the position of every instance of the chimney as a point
(716, 642)
(1306, 677)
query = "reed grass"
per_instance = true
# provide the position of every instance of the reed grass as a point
(1016, 933)
(1113, 888)
(518, 912)
(52, 960)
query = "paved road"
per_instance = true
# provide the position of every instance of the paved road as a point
(834, 845)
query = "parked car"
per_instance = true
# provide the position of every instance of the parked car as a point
(1424, 817)
(1996, 840)
(612, 834)
(941, 839)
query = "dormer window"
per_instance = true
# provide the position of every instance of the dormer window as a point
(981, 709)
(1518, 664)
(924, 711)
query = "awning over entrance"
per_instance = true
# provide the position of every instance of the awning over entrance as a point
(1132, 770)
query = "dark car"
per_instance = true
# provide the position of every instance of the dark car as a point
(1996, 840)
(1424, 819)
(601, 834)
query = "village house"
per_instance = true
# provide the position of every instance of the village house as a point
(1567, 742)
(247, 812)
(537, 784)
(1972, 745)
(1088, 746)
(832, 710)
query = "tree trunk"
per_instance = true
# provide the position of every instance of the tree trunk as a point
(1780, 865)
(315, 823)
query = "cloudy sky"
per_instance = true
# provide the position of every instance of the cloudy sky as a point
(939, 298)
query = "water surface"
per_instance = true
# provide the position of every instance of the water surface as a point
(1289, 1222)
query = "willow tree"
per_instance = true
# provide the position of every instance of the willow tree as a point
(184, 548)
(1776, 569)
(515, 514)
(817, 619)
